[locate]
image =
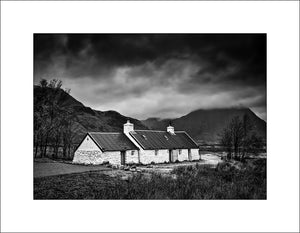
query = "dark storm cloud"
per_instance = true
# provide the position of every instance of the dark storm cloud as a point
(115, 69)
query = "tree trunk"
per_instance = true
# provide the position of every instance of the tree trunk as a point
(45, 148)
(56, 145)
(36, 150)
(64, 150)
(69, 152)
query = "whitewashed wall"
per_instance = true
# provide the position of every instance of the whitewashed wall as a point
(132, 158)
(148, 156)
(183, 156)
(195, 154)
(97, 157)
(87, 157)
(88, 144)
(89, 153)
(114, 157)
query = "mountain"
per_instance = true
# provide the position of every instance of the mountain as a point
(204, 125)
(85, 119)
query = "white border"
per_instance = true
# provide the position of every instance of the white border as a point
(19, 20)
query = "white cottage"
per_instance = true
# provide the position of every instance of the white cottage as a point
(136, 146)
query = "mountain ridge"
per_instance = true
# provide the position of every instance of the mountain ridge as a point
(85, 118)
(205, 125)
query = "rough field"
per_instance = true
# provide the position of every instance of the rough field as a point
(47, 167)
(205, 179)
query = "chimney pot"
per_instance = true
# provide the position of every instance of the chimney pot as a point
(170, 129)
(128, 127)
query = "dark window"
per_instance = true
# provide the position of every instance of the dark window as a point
(156, 152)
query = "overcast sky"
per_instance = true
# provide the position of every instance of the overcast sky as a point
(156, 75)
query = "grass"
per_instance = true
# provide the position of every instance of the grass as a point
(191, 182)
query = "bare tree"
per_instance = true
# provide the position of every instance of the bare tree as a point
(236, 127)
(43, 83)
(53, 123)
(241, 137)
(37, 122)
(226, 141)
(248, 128)
(46, 116)
(67, 132)
(57, 136)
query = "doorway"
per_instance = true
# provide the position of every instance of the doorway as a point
(174, 155)
(123, 157)
(170, 156)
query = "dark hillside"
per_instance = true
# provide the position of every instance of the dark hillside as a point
(204, 125)
(86, 118)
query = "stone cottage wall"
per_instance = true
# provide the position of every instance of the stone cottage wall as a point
(88, 157)
(88, 144)
(148, 156)
(113, 157)
(89, 153)
(132, 158)
(195, 154)
(183, 156)
(96, 157)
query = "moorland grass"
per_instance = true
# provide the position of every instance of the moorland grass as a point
(189, 182)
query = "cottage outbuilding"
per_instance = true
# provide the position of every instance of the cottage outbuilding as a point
(136, 146)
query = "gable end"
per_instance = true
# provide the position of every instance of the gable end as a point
(94, 141)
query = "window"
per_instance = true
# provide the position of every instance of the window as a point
(199, 152)
(132, 152)
(156, 152)
(180, 151)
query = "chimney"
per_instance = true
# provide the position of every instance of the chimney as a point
(128, 127)
(170, 129)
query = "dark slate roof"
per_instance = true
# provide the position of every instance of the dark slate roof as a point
(151, 139)
(112, 141)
